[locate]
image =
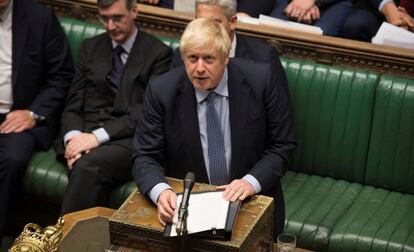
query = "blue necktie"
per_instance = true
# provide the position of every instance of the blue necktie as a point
(215, 139)
(117, 67)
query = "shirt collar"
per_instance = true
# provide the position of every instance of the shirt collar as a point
(6, 15)
(127, 45)
(232, 53)
(221, 89)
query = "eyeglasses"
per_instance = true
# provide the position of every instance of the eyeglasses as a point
(117, 19)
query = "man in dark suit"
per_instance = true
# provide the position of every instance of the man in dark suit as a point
(104, 102)
(224, 12)
(226, 121)
(329, 15)
(35, 72)
(367, 16)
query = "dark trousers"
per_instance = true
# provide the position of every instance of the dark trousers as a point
(95, 175)
(331, 19)
(15, 152)
(362, 25)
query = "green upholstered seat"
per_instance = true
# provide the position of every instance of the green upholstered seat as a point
(391, 156)
(314, 205)
(77, 31)
(379, 220)
(332, 110)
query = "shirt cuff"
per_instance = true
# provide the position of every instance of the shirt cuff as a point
(157, 190)
(101, 135)
(69, 135)
(253, 181)
(381, 6)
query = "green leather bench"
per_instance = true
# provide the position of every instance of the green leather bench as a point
(351, 185)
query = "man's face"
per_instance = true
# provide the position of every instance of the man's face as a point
(4, 4)
(118, 20)
(204, 68)
(216, 12)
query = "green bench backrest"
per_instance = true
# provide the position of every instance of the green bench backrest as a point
(332, 111)
(391, 153)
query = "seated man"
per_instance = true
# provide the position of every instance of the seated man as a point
(224, 12)
(329, 15)
(367, 16)
(103, 104)
(35, 72)
(227, 121)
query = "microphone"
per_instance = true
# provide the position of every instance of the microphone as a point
(188, 184)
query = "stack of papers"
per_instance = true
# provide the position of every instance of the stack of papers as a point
(184, 5)
(392, 35)
(276, 22)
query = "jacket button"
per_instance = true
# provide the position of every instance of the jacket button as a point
(101, 124)
(101, 111)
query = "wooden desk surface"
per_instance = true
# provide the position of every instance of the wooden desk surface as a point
(73, 218)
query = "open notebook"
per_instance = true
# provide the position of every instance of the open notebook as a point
(209, 216)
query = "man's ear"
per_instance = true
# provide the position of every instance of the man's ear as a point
(233, 22)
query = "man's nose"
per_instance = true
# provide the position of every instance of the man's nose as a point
(200, 65)
(110, 25)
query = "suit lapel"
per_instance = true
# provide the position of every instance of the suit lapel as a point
(101, 68)
(186, 105)
(19, 35)
(133, 68)
(238, 106)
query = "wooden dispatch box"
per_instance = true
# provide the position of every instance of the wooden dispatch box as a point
(135, 225)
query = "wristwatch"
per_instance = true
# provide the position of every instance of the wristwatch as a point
(36, 117)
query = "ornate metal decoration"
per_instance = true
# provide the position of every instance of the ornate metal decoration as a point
(35, 239)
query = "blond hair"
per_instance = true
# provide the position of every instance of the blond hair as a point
(207, 34)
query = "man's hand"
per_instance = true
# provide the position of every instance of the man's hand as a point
(298, 8)
(71, 161)
(153, 2)
(166, 205)
(17, 121)
(397, 16)
(311, 16)
(238, 189)
(80, 144)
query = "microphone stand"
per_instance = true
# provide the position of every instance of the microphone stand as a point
(181, 227)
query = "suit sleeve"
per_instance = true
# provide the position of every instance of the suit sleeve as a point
(280, 142)
(149, 157)
(59, 71)
(125, 125)
(72, 117)
(176, 60)
(326, 3)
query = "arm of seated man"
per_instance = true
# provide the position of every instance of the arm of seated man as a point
(166, 200)
(240, 189)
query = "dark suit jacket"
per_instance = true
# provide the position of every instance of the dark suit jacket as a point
(167, 141)
(255, 8)
(42, 66)
(91, 102)
(250, 49)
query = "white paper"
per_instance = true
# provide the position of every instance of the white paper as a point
(267, 20)
(248, 20)
(392, 35)
(205, 211)
(184, 5)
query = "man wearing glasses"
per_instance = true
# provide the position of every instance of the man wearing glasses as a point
(103, 104)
